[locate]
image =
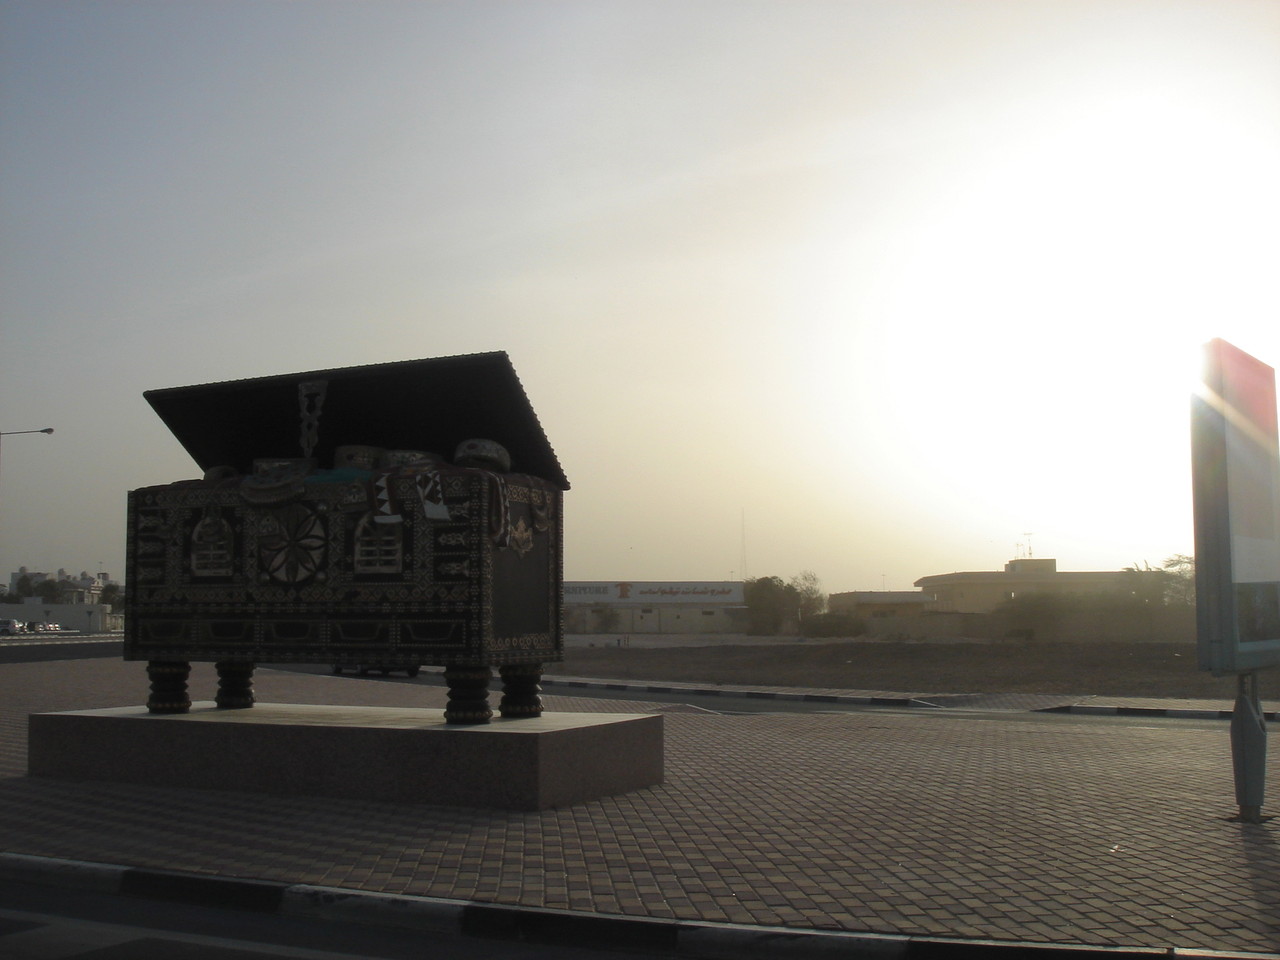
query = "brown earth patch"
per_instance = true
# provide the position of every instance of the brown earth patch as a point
(1136, 669)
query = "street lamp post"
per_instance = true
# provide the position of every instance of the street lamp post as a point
(11, 433)
(14, 433)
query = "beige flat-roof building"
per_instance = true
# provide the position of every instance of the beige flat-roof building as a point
(982, 592)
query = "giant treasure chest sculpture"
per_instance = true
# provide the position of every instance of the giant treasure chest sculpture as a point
(406, 513)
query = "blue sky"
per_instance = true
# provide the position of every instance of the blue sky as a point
(875, 288)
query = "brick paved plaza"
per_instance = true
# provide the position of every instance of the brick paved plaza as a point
(1063, 829)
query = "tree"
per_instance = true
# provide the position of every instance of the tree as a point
(1173, 583)
(50, 591)
(833, 625)
(1028, 615)
(1147, 584)
(1180, 587)
(112, 595)
(808, 588)
(770, 604)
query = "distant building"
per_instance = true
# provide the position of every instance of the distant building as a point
(654, 606)
(982, 592)
(74, 617)
(79, 607)
(84, 588)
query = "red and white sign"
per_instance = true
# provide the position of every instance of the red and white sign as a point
(1236, 486)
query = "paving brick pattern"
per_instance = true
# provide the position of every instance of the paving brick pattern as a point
(1063, 829)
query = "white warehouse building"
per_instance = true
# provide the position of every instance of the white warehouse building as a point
(654, 606)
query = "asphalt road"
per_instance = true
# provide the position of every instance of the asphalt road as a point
(32, 647)
(54, 923)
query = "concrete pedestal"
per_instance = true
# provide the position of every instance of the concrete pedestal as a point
(367, 753)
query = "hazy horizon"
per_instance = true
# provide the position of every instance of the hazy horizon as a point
(876, 289)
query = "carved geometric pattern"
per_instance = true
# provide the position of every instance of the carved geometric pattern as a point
(212, 546)
(219, 576)
(379, 547)
(291, 543)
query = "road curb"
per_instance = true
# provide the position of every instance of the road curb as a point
(1174, 713)
(1179, 713)
(308, 901)
(861, 701)
(689, 940)
(77, 874)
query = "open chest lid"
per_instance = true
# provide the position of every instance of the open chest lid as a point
(430, 405)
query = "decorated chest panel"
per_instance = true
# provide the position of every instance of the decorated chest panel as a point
(439, 565)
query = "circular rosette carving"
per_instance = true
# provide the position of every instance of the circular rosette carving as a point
(292, 544)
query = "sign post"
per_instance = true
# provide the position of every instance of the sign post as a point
(1249, 748)
(1235, 471)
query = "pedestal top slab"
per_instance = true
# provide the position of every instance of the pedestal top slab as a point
(329, 715)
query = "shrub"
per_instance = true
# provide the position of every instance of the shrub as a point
(833, 625)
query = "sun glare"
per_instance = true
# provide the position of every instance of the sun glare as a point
(1093, 255)
(1028, 334)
